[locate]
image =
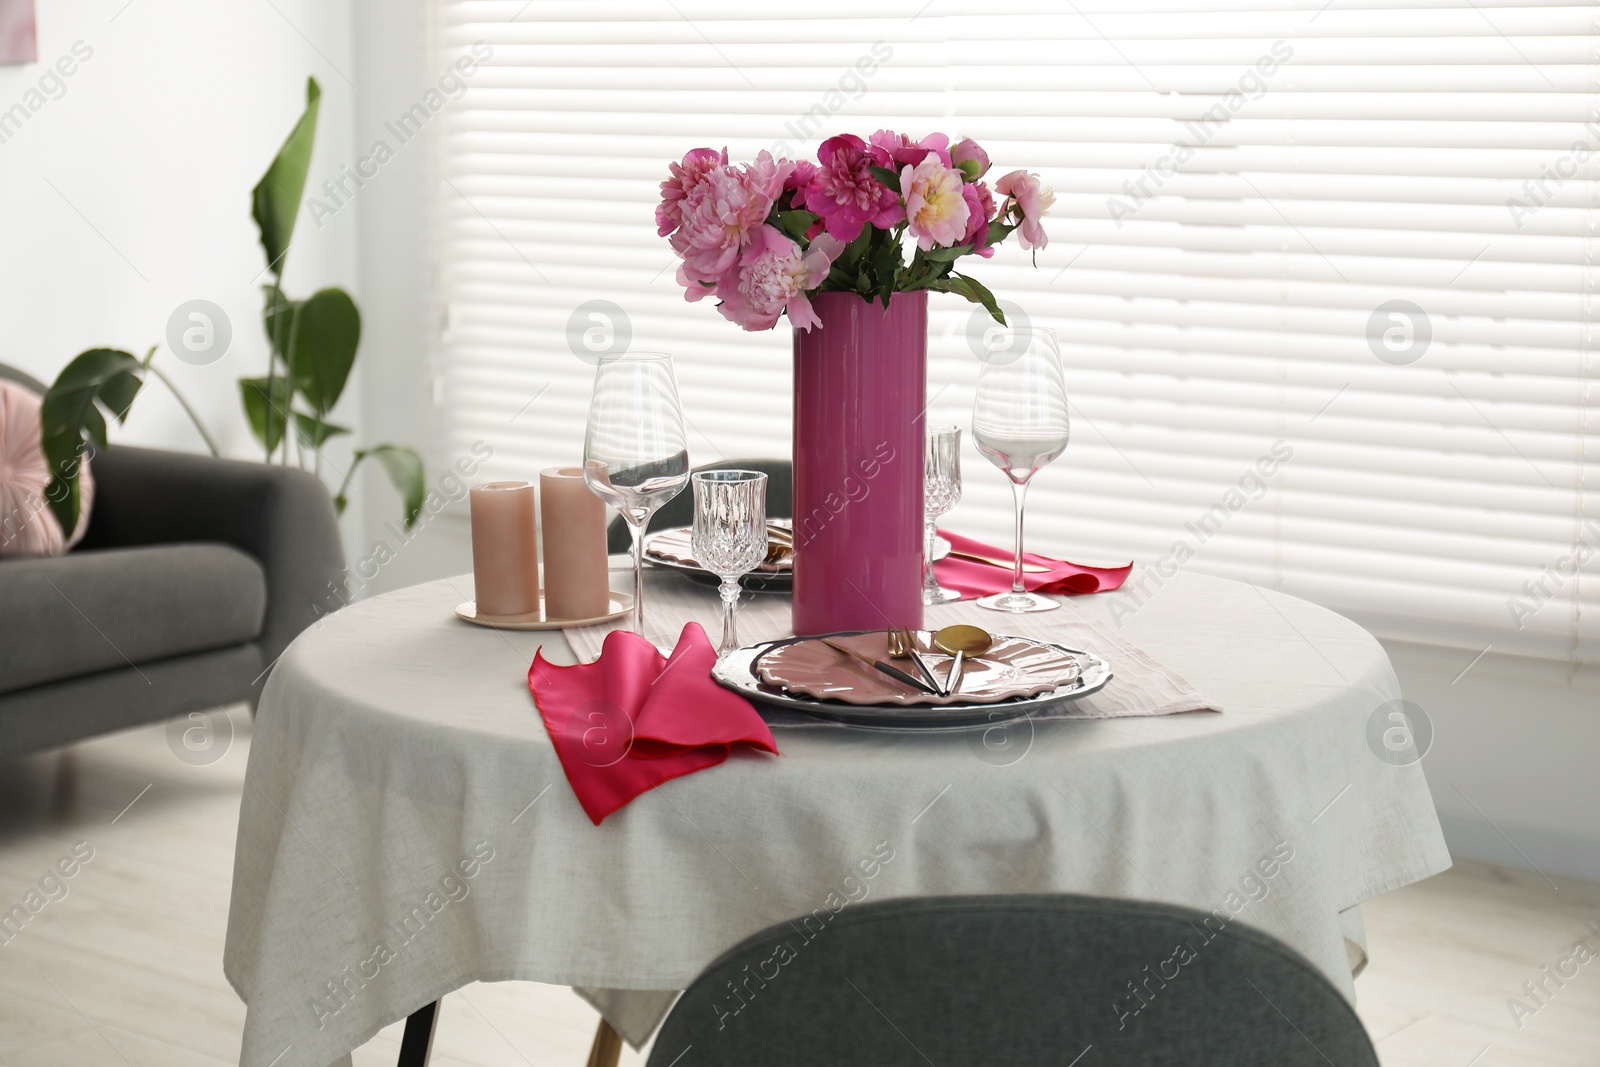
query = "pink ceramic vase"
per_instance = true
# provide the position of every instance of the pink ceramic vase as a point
(859, 385)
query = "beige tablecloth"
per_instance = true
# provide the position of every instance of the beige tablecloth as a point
(406, 828)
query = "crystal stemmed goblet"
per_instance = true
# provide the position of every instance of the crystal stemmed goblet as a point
(1019, 423)
(635, 452)
(941, 492)
(730, 535)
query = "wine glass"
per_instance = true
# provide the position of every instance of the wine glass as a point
(1019, 423)
(635, 453)
(941, 491)
(730, 535)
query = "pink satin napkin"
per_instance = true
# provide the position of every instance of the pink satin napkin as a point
(973, 579)
(633, 718)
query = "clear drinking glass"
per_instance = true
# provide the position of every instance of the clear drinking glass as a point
(1019, 423)
(730, 535)
(635, 452)
(941, 492)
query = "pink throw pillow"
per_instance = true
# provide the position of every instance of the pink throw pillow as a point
(27, 525)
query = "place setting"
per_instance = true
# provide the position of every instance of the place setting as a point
(978, 635)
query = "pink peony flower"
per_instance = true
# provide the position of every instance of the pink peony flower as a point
(935, 207)
(896, 150)
(695, 286)
(1032, 199)
(720, 213)
(980, 212)
(845, 193)
(685, 176)
(772, 277)
(800, 177)
(970, 158)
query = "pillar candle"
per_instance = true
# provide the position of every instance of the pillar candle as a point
(574, 523)
(505, 549)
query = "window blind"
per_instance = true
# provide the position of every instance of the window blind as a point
(1323, 272)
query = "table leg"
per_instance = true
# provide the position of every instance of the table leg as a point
(607, 1046)
(417, 1044)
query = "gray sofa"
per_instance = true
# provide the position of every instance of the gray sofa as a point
(194, 576)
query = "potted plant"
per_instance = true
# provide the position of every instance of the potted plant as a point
(312, 347)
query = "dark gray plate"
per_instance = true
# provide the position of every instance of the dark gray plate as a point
(755, 581)
(736, 671)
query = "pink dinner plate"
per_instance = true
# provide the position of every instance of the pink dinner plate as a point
(1015, 667)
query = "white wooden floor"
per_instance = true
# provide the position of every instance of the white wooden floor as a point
(125, 970)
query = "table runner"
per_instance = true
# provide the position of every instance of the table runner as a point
(1139, 685)
(402, 791)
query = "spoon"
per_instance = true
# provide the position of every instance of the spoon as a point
(961, 641)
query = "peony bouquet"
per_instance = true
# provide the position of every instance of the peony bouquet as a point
(762, 236)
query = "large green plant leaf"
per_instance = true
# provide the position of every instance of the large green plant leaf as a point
(100, 377)
(253, 391)
(277, 318)
(325, 335)
(404, 468)
(314, 431)
(275, 201)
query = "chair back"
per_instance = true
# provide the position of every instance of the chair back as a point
(1020, 981)
(679, 511)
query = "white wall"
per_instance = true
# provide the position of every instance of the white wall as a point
(1513, 766)
(394, 208)
(130, 193)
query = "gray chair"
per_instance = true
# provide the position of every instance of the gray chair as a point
(679, 511)
(1014, 980)
(193, 577)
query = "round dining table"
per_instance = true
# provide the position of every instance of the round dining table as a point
(406, 828)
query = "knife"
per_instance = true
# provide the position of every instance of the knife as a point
(894, 672)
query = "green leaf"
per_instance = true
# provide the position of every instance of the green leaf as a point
(100, 377)
(858, 244)
(887, 177)
(884, 261)
(314, 432)
(404, 468)
(277, 318)
(998, 231)
(253, 391)
(944, 255)
(322, 348)
(973, 290)
(794, 224)
(275, 201)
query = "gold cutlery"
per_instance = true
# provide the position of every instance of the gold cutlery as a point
(961, 641)
(1027, 568)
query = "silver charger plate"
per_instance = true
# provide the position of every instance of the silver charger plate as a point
(737, 671)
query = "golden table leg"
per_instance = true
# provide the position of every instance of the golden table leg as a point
(607, 1046)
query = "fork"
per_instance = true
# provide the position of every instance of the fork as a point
(901, 645)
